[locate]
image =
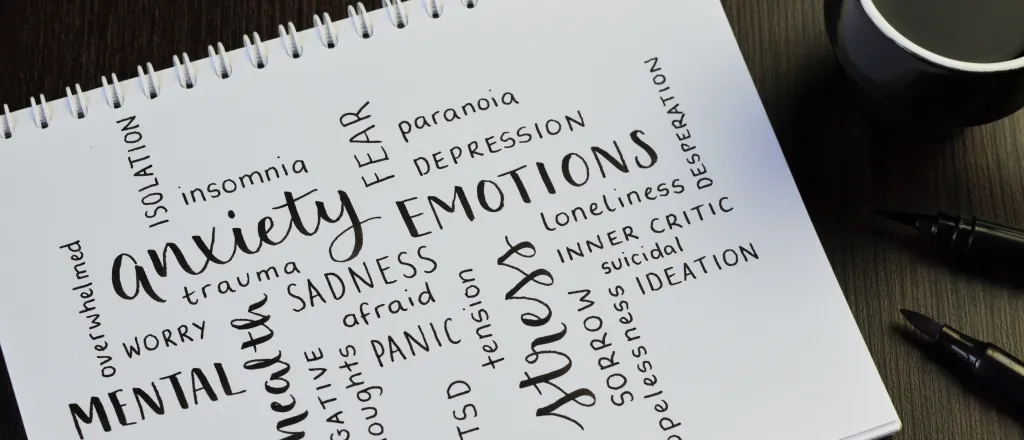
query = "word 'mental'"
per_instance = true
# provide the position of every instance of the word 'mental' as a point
(139, 281)
(169, 392)
(452, 115)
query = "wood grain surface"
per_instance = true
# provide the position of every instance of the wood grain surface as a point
(846, 163)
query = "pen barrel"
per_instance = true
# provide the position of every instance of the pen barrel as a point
(989, 239)
(1003, 372)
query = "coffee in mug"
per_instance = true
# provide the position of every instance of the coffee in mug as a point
(949, 62)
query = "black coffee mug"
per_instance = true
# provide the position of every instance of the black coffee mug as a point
(910, 82)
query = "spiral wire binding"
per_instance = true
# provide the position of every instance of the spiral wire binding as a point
(6, 124)
(326, 31)
(396, 10)
(434, 8)
(76, 102)
(257, 55)
(220, 61)
(150, 82)
(113, 92)
(291, 40)
(186, 75)
(361, 21)
(41, 114)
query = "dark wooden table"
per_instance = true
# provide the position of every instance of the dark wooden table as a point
(844, 162)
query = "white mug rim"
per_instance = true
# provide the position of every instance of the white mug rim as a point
(889, 31)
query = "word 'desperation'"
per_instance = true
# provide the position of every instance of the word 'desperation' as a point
(677, 117)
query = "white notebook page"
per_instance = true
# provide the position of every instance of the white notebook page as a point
(661, 277)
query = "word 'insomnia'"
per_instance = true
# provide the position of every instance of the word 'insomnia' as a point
(214, 190)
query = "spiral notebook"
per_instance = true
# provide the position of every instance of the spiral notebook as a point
(573, 220)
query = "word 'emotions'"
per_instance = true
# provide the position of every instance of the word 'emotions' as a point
(573, 170)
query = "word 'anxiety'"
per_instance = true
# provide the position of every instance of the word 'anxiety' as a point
(341, 250)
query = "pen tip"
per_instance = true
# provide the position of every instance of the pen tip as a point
(900, 217)
(922, 323)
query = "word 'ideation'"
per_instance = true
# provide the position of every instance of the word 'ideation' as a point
(696, 268)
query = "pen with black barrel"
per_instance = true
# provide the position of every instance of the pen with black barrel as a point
(970, 236)
(993, 366)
